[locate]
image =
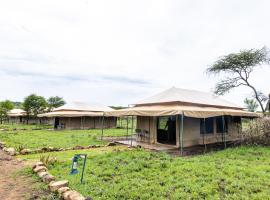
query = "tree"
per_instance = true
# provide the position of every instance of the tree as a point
(5, 106)
(55, 102)
(34, 105)
(251, 104)
(239, 67)
(267, 107)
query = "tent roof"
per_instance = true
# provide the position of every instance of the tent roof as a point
(188, 96)
(81, 106)
(16, 112)
(70, 113)
(177, 109)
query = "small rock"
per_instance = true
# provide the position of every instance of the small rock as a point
(42, 174)
(38, 164)
(40, 169)
(72, 195)
(48, 178)
(2, 145)
(78, 147)
(111, 144)
(55, 185)
(25, 151)
(11, 151)
(63, 190)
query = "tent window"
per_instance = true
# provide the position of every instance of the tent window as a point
(221, 128)
(207, 126)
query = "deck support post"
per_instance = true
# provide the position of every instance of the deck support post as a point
(181, 132)
(224, 134)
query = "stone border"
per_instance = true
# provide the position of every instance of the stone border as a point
(60, 187)
(12, 152)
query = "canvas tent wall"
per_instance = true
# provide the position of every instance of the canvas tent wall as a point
(189, 108)
(79, 115)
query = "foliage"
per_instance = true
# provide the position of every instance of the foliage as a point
(257, 132)
(47, 159)
(55, 102)
(116, 173)
(251, 104)
(239, 67)
(34, 105)
(5, 106)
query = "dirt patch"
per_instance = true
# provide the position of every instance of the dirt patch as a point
(15, 185)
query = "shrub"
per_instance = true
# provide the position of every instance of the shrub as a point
(48, 160)
(257, 132)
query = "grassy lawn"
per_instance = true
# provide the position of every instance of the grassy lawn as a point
(121, 173)
(25, 137)
(11, 127)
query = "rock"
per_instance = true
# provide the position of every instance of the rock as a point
(42, 174)
(78, 147)
(62, 190)
(25, 151)
(48, 178)
(76, 196)
(40, 169)
(38, 164)
(2, 145)
(11, 151)
(55, 185)
(111, 144)
(72, 195)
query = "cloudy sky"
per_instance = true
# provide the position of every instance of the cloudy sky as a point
(118, 52)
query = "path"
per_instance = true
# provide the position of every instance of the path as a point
(15, 186)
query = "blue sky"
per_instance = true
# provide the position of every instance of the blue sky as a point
(118, 52)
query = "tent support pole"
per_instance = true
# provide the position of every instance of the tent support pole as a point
(127, 129)
(149, 130)
(224, 134)
(132, 124)
(102, 127)
(181, 132)
(204, 132)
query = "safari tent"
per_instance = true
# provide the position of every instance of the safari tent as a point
(184, 118)
(19, 116)
(78, 115)
(16, 116)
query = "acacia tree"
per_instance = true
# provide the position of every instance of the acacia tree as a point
(251, 104)
(34, 105)
(239, 67)
(55, 102)
(5, 106)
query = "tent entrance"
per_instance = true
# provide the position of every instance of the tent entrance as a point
(56, 122)
(166, 130)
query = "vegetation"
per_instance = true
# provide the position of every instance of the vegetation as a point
(27, 136)
(239, 67)
(5, 106)
(55, 102)
(34, 105)
(120, 173)
(251, 104)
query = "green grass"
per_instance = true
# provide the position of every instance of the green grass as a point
(120, 173)
(34, 139)
(10, 127)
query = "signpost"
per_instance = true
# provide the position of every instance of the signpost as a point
(75, 161)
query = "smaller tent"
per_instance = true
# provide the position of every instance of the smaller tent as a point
(16, 116)
(79, 115)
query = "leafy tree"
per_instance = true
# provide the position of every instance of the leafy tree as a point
(239, 67)
(55, 102)
(5, 106)
(251, 104)
(34, 105)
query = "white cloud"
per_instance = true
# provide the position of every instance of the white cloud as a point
(117, 52)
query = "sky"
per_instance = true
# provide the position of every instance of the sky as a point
(119, 52)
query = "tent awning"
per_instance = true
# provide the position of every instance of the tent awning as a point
(71, 114)
(189, 111)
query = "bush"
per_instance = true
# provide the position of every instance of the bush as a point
(257, 132)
